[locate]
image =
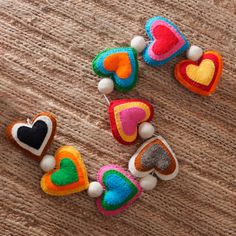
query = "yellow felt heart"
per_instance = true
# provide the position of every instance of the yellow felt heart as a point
(202, 74)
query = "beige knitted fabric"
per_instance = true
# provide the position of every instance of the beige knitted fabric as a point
(46, 49)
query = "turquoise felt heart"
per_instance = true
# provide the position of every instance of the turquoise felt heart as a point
(166, 41)
(121, 190)
(120, 64)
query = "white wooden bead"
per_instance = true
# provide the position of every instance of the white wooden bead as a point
(146, 130)
(95, 189)
(48, 163)
(148, 182)
(194, 53)
(138, 43)
(106, 86)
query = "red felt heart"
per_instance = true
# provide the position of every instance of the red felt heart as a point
(165, 39)
(126, 115)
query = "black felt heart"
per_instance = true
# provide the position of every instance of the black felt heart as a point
(34, 136)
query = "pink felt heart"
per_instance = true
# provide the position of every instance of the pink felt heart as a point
(130, 118)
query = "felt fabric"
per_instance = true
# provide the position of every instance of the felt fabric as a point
(155, 155)
(120, 64)
(201, 77)
(166, 43)
(35, 137)
(125, 115)
(121, 190)
(69, 175)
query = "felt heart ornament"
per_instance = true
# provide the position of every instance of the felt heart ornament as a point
(155, 155)
(121, 190)
(33, 137)
(125, 115)
(166, 43)
(69, 175)
(200, 77)
(120, 64)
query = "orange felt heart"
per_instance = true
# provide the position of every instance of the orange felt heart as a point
(69, 176)
(203, 76)
(120, 63)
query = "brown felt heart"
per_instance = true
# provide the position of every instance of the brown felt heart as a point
(154, 155)
(33, 137)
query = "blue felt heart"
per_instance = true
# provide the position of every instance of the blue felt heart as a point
(121, 190)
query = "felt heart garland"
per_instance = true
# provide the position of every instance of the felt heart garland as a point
(115, 189)
(35, 137)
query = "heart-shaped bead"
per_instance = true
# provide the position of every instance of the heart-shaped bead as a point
(120, 190)
(69, 176)
(166, 43)
(120, 64)
(126, 115)
(34, 137)
(154, 155)
(200, 77)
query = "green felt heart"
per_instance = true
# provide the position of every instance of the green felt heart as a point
(67, 173)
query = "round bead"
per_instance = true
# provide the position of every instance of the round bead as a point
(138, 43)
(148, 182)
(194, 53)
(47, 163)
(106, 86)
(146, 130)
(95, 189)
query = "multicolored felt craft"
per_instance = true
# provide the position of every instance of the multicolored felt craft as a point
(154, 155)
(125, 115)
(167, 41)
(34, 137)
(121, 190)
(69, 176)
(120, 64)
(200, 77)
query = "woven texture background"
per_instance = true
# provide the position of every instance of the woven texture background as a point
(46, 48)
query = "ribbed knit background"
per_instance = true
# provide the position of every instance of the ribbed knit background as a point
(46, 49)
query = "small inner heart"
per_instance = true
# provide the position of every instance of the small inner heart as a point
(155, 157)
(119, 189)
(130, 118)
(165, 39)
(34, 136)
(119, 63)
(202, 74)
(67, 173)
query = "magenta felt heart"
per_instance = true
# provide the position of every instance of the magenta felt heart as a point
(130, 118)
